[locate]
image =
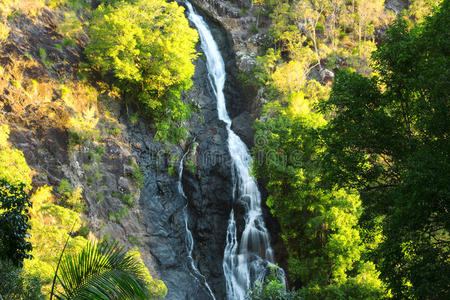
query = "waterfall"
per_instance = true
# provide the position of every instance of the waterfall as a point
(189, 239)
(246, 261)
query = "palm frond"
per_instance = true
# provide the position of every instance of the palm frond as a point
(102, 271)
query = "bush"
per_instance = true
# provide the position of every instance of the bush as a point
(15, 284)
(136, 173)
(14, 222)
(14, 167)
(149, 47)
(271, 289)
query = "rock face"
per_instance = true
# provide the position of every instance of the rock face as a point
(207, 187)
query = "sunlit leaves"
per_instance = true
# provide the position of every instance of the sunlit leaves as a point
(4, 135)
(105, 271)
(13, 166)
(386, 137)
(14, 222)
(51, 226)
(149, 46)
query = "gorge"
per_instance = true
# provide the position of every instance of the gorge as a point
(246, 261)
(219, 188)
(206, 147)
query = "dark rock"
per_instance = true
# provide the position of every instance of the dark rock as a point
(242, 126)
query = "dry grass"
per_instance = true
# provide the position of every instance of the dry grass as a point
(29, 7)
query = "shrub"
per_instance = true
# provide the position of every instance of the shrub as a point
(136, 173)
(14, 222)
(71, 27)
(16, 284)
(14, 167)
(128, 200)
(65, 188)
(149, 47)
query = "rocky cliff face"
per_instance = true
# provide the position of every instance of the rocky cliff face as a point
(207, 187)
(36, 75)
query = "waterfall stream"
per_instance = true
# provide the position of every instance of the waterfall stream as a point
(189, 239)
(245, 261)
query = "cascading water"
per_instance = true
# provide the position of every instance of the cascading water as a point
(189, 239)
(247, 261)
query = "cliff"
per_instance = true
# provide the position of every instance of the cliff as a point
(76, 128)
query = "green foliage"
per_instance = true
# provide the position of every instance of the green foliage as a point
(136, 173)
(397, 154)
(149, 46)
(118, 215)
(14, 223)
(128, 200)
(419, 9)
(44, 57)
(171, 170)
(157, 288)
(65, 188)
(134, 118)
(191, 166)
(346, 175)
(13, 166)
(71, 27)
(105, 271)
(115, 131)
(75, 139)
(52, 225)
(100, 151)
(271, 289)
(16, 285)
(323, 221)
(98, 177)
(100, 197)
(68, 42)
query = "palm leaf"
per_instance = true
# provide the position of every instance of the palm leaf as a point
(102, 271)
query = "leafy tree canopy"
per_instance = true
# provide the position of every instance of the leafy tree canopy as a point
(14, 217)
(388, 138)
(149, 46)
(13, 166)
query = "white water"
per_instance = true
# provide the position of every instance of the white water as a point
(189, 239)
(246, 261)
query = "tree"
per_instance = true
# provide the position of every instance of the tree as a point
(14, 205)
(309, 13)
(149, 47)
(369, 14)
(52, 225)
(419, 9)
(13, 166)
(319, 225)
(388, 138)
(105, 271)
(16, 284)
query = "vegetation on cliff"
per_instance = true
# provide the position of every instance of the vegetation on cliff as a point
(149, 47)
(50, 92)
